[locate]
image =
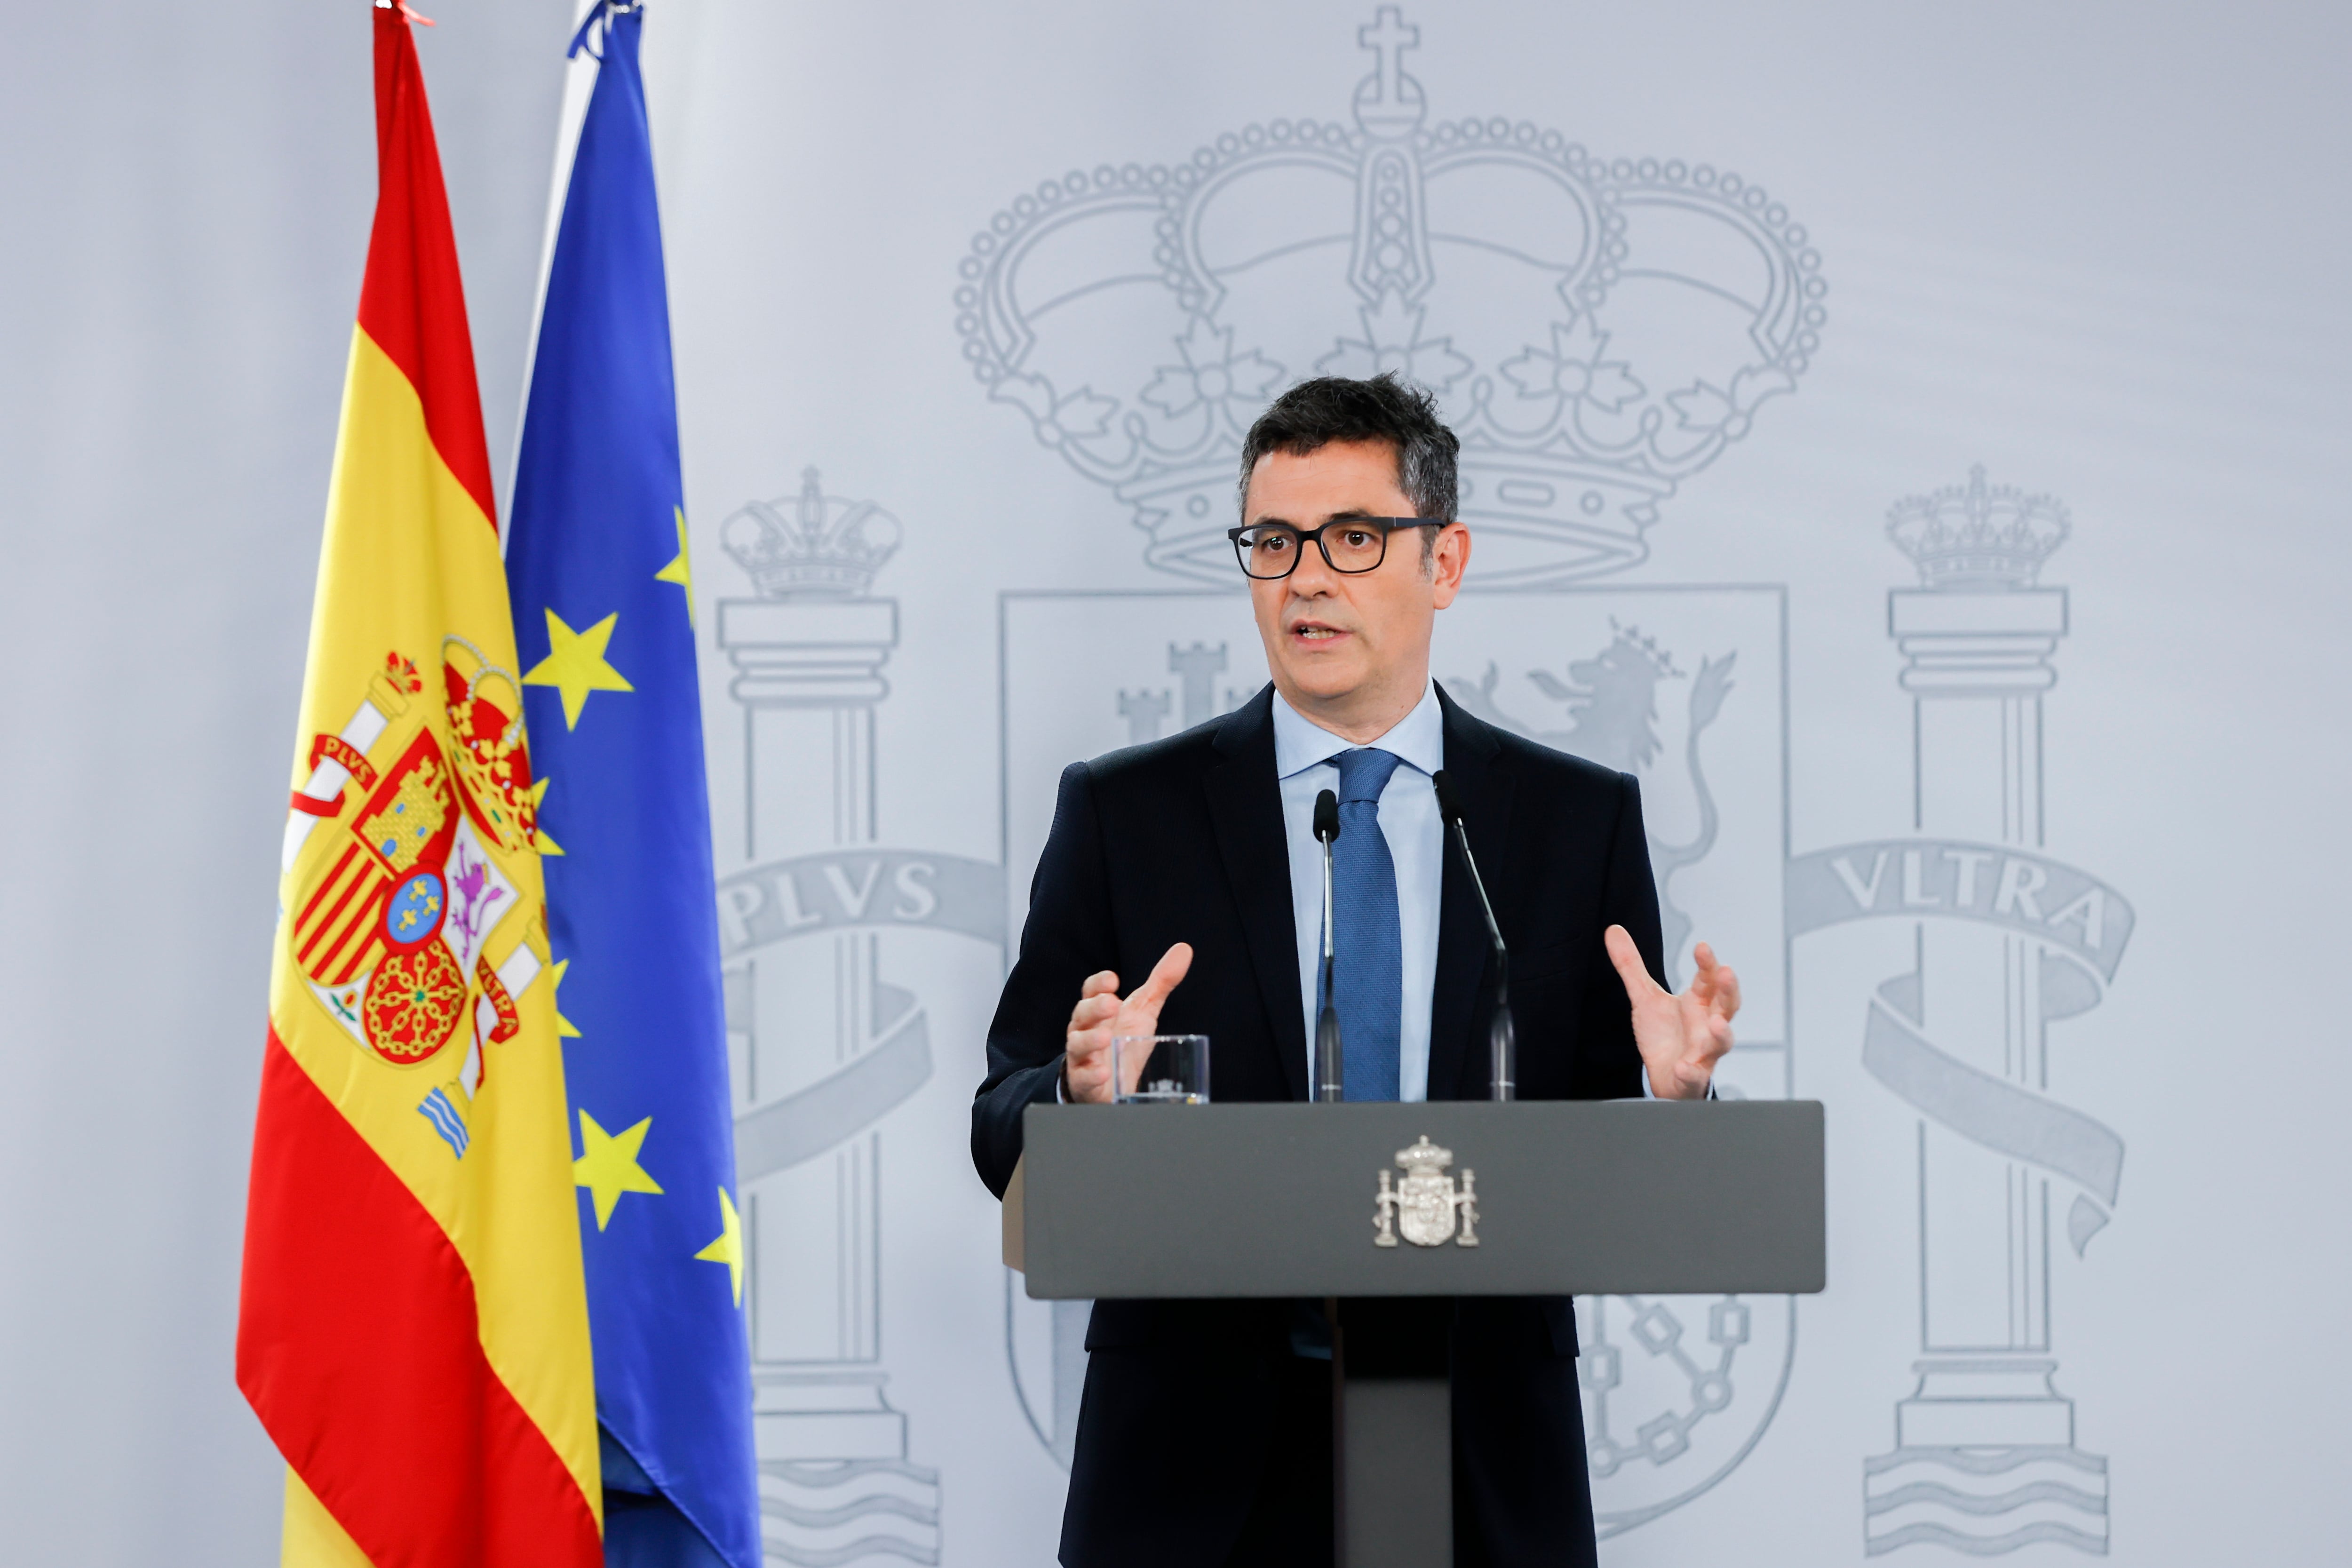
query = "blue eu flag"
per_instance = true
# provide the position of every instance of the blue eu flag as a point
(602, 594)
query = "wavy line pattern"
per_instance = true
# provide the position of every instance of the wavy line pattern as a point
(832, 1557)
(895, 1503)
(1983, 1502)
(1989, 1545)
(1941, 1496)
(824, 1518)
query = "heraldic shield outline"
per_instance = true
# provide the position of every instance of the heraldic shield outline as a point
(397, 875)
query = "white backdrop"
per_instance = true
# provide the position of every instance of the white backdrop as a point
(2066, 820)
(187, 195)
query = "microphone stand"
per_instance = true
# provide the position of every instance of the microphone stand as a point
(1329, 1079)
(1502, 1043)
(1330, 1087)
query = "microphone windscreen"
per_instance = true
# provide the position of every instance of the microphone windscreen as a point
(1327, 816)
(1449, 809)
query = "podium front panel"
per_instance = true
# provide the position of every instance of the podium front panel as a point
(1569, 1198)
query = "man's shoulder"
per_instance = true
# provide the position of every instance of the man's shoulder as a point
(1557, 769)
(1536, 764)
(1153, 762)
(1174, 758)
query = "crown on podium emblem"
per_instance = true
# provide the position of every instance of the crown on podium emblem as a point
(1595, 329)
(811, 546)
(1976, 536)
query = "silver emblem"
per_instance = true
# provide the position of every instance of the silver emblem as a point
(1424, 1205)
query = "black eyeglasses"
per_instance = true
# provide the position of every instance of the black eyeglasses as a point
(1351, 544)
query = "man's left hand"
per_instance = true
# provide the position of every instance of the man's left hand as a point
(1680, 1038)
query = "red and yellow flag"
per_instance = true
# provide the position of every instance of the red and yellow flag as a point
(413, 1331)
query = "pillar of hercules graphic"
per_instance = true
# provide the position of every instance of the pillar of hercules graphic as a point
(1977, 642)
(808, 658)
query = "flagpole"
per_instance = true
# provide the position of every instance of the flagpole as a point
(579, 84)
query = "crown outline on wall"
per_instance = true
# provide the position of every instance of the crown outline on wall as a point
(1978, 537)
(813, 545)
(1596, 330)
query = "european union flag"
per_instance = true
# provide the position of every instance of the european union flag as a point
(602, 598)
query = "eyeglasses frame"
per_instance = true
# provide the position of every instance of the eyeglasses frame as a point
(1388, 525)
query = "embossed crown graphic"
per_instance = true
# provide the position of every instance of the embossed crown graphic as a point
(1977, 536)
(813, 546)
(1424, 1158)
(1595, 329)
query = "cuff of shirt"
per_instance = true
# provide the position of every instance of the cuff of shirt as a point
(1647, 1093)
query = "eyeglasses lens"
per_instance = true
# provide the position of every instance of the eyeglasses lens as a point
(1354, 548)
(1268, 551)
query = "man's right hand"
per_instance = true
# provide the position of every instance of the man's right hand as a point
(1101, 1015)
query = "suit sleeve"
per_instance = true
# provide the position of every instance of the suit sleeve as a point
(1609, 1064)
(1067, 936)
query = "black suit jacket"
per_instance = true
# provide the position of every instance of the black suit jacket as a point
(1182, 840)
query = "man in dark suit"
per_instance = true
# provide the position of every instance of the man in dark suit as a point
(1204, 1432)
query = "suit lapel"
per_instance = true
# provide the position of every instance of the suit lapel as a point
(1484, 789)
(1245, 808)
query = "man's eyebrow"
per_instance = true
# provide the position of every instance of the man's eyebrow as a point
(1345, 514)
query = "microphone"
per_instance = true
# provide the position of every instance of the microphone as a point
(1330, 1079)
(1502, 1044)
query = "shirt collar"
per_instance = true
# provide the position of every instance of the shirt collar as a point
(1418, 738)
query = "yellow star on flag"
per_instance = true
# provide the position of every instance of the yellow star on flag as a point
(538, 804)
(564, 1028)
(680, 571)
(575, 664)
(608, 1165)
(728, 1247)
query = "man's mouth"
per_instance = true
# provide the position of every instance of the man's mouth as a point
(1316, 632)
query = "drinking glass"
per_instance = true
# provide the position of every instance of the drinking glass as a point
(1160, 1070)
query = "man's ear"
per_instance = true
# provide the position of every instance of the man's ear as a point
(1449, 559)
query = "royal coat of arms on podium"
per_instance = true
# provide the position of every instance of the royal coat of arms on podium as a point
(1426, 1204)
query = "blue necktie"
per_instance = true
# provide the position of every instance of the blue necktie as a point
(1367, 946)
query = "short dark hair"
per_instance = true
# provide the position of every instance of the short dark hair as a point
(1336, 408)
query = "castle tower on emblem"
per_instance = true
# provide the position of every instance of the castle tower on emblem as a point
(1985, 1459)
(823, 1043)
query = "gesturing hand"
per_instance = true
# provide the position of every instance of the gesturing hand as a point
(1100, 1015)
(1680, 1038)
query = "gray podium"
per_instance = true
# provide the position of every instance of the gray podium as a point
(1451, 1198)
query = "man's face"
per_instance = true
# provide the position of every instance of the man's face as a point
(1339, 640)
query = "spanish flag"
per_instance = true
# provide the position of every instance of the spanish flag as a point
(413, 1330)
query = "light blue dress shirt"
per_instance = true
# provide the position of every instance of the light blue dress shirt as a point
(1416, 836)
